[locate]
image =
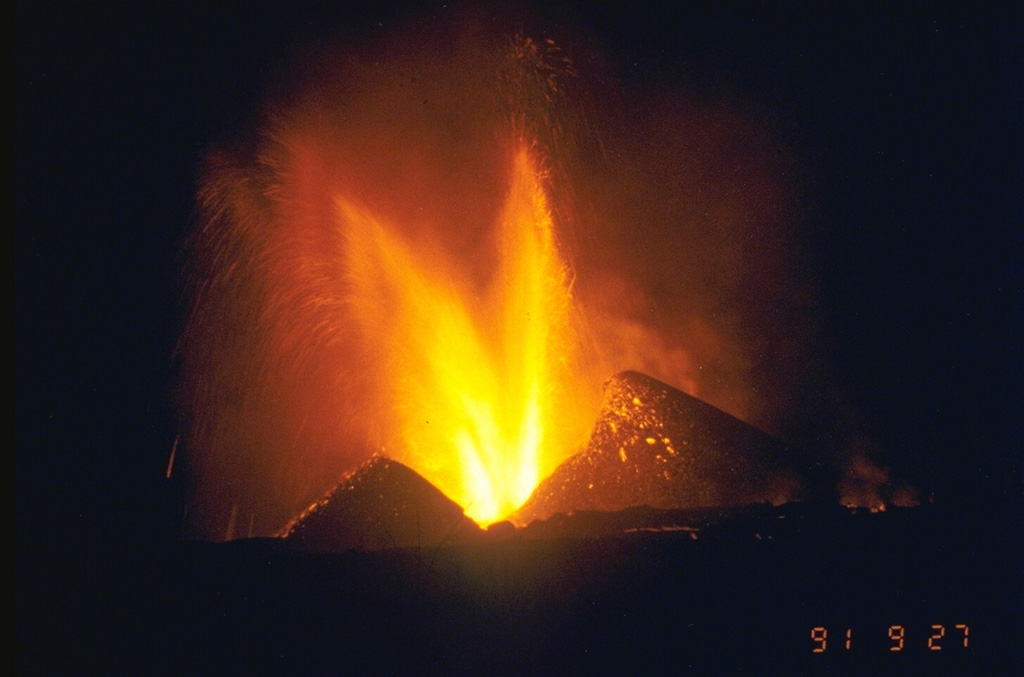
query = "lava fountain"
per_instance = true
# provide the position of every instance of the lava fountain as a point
(476, 384)
(365, 282)
(438, 245)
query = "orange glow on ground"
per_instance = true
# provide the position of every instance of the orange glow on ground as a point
(475, 377)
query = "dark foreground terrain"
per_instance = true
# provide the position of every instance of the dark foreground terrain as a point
(762, 590)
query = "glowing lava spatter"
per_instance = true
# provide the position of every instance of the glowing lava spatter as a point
(475, 380)
(377, 268)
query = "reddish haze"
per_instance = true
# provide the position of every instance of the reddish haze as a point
(669, 223)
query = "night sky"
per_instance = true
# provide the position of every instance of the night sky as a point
(910, 136)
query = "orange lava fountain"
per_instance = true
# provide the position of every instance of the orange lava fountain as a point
(378, 271)
(475, 382)
(383, 266)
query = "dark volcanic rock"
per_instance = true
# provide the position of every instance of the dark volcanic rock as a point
(383, 504)
(657, 446)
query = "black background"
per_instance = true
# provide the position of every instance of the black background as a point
(914, 121)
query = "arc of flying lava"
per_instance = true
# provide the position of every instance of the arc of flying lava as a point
(475, 384)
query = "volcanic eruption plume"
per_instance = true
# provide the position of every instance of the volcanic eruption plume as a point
(441, 244)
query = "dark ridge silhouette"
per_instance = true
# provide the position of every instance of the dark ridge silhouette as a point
(382, 504)
(655, 445)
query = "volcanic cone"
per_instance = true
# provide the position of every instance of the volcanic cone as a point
(655, 445)
(382, 504)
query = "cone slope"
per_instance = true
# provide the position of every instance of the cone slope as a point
(383, 504)
(655, 445)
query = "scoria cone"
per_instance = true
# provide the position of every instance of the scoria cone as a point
(655, 445)
(383, 504)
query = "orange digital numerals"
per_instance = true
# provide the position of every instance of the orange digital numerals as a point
(896, 634)
(819, 635)
(897, 638)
